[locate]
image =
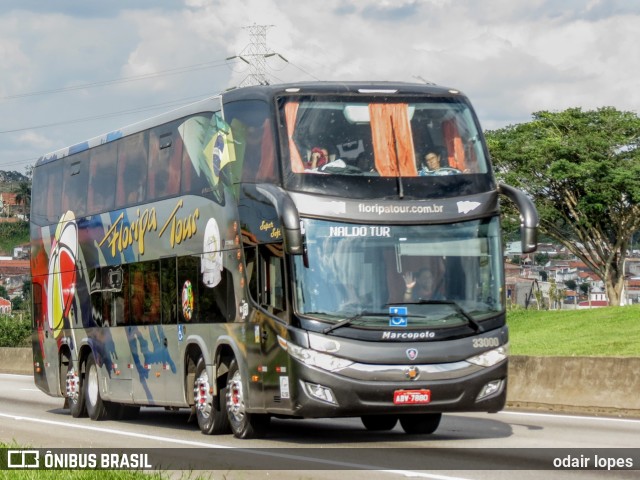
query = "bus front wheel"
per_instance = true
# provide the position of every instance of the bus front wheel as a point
(421, 423)
(243, 423)
(379, 423)
(210, 412)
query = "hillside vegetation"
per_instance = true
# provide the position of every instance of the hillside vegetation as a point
(597, 332)
(11, 235)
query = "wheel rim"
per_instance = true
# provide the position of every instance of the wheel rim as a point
(201, 394)
(72, 385)
(92, 385)
(235, 398)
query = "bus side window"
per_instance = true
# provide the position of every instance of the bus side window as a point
(254, 138)
(270, 278)
(152, 300)
(75, 180)
(165, 156)
(250, 259)
(47, 208)
(193, 132)
(188, 273)
(102, 178)
(145, 293)
(136, 302)
(132, 170)
(216, 303)
(169, 289)
(204, 302)
(95, 287)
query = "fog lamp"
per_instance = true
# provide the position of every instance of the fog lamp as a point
(492, 388)
(321, 392)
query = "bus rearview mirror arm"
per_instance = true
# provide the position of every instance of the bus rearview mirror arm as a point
(528, 217)
(289, 217)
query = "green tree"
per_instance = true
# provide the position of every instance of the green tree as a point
(23, 196)
(582, 170)
(584, 288)
(17, 304)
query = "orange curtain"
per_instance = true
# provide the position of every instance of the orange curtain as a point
(392, 140)
(454, 144)
(290, 113)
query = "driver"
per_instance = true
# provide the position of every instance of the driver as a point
(425, 285)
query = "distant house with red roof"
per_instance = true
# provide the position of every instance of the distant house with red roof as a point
(8, 203)
(5, 306)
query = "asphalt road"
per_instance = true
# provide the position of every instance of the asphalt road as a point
(466, 446)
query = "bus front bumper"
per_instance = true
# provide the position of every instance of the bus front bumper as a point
(318, 393)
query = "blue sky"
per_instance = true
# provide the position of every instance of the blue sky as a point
(72, 70)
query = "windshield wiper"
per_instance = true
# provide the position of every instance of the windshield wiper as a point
(346, 321)
(472, 323)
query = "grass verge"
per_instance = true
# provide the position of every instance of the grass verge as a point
(596, 332)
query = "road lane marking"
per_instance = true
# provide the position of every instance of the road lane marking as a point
(191, 443)
(570, 417)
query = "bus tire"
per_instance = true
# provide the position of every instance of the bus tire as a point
(379, 423)
(420, 423)
(210, 412)
(74, 392)
(96, 408)
(243, 424)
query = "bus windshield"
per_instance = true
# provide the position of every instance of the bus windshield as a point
(439, 275)
(382, 136)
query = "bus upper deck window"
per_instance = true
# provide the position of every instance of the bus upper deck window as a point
(102, 178)
(165, 158)
(132, 170)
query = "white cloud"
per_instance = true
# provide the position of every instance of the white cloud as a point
(36, 139)
(511, 58)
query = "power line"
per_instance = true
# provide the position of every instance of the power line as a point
(180, 101)
(134, 78)
(108, 115)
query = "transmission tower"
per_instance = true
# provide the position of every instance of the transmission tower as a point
(255, 55)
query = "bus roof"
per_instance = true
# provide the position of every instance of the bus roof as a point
(270, 91)
(264, 92)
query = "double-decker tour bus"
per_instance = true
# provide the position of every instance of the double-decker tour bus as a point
(300, 250)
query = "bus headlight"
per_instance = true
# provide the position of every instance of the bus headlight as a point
(314, 358)
(490, 357)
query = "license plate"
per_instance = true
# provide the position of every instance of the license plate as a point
(411, 397)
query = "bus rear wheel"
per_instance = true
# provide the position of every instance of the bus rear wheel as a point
(96, 408)
(379, 423)
(210, 412)
(420, 423)
(74, 391)
(243, 423)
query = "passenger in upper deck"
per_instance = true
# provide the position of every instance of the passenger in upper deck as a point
(319, 158)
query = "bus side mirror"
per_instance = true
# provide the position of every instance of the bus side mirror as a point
(289, 217)
(528, 217)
